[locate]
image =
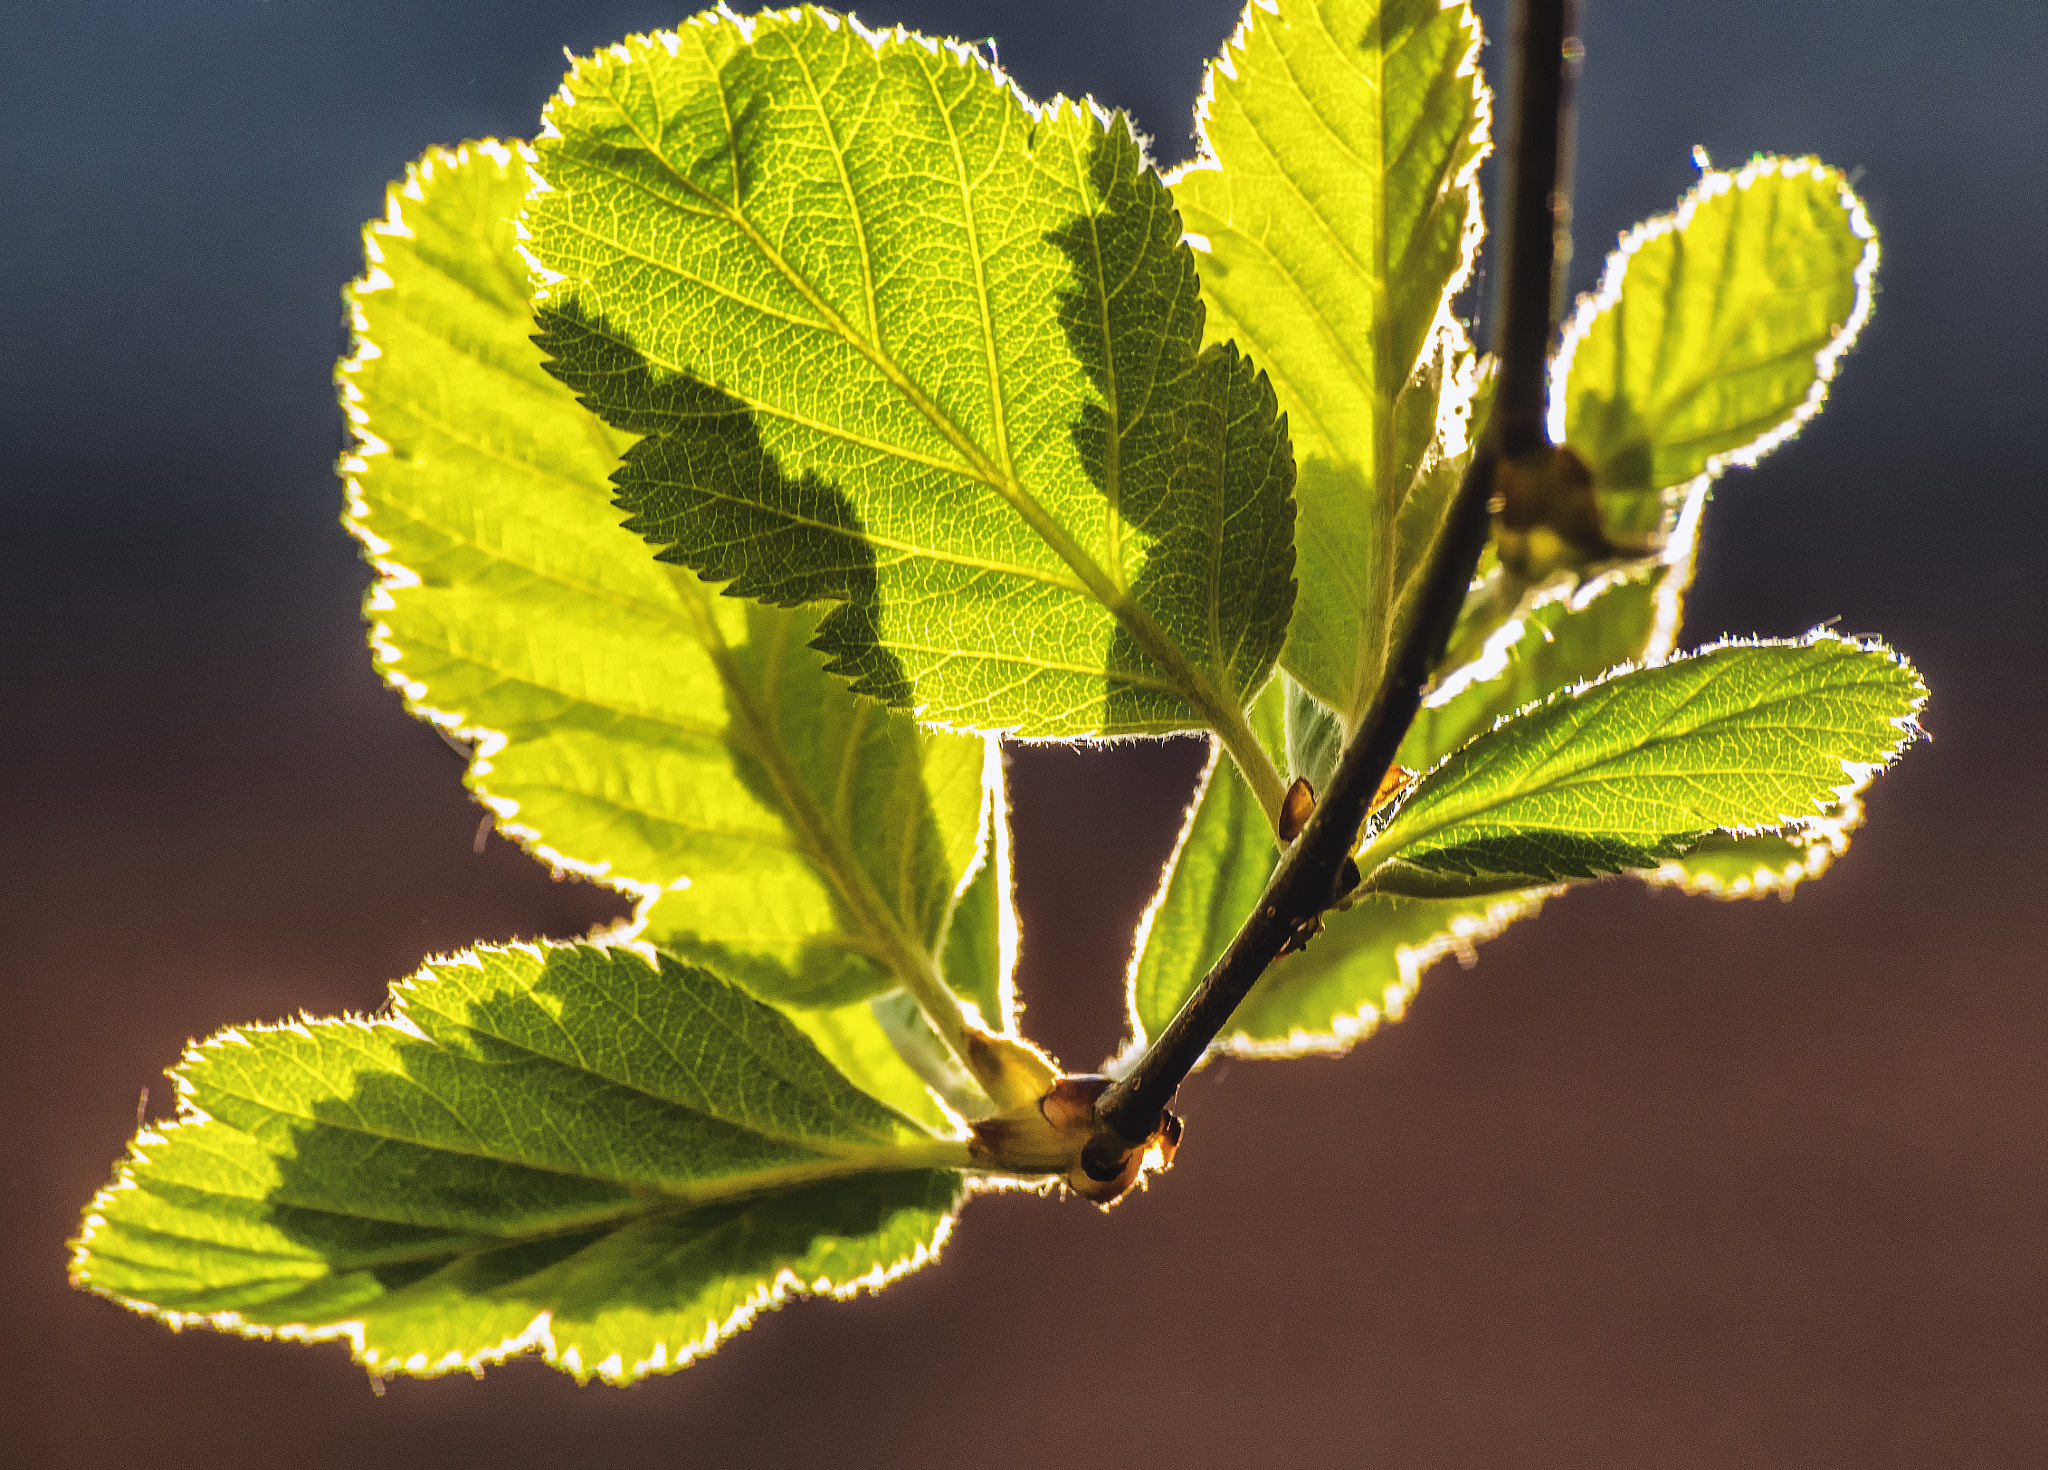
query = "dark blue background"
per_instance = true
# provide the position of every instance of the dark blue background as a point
(1661, 1182)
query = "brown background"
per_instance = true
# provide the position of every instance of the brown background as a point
(1661, 1182)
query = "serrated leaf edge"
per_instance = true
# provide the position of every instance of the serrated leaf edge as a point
(1826, 362)
(1819, 847)
(483, 742)
(1347, 1029)
(1446, 335)
(1220, 709)
(1446, 341)
(394, 576)
(1830, 826)
(537, 1334)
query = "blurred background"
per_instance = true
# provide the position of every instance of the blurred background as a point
(1660, 1182)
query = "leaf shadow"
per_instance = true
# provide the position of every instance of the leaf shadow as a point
(1632, 506)
(417, 1237)
(706, 493)
(1178, 436)
(702, 488)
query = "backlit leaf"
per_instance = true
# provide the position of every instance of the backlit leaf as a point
(1360, 970)
(902, 342)
(1563, 638)
(1336, 204)
(1714, 332)
(605, 1156)
(627, 723)
(1636, 770)
(1569, 636)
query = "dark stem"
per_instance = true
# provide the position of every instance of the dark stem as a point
(1317, 870)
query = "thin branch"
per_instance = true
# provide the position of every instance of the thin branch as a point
(1318, 870)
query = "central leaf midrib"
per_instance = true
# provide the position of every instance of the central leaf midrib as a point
(999, 405)
(903, 548)
(632, 1212)
(826, 1163)
(1352, 367)
(1578, 774)
(836, 863)
(862, 536)
(481, 1148)
(1369, 380)
(1134, 616)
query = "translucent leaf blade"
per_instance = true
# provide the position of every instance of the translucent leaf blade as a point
(1336, 200)
(1714, 332)
(689, 749)
(1633, 771)
(902, 343)
(610, 1159)
(1570, 637)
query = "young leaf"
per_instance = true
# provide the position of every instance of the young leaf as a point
(1712, 338)
(1638, 773)
(1569, 636)
(1637, 769)
(686, 748)
(604, 1155)
(1714, 332)
(1336, 201)
(903, 342)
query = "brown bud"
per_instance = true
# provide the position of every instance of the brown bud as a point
(1058, 1134)
(1069, 1104)
(1168, 1136)
(1296, 809)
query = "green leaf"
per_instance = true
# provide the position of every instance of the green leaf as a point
(1363, 968)
(902, 342)
(1369, 960)
(1636, 770)
(1712, 338)
(1336, 202)
(603, 1155)
(855, 1040)
(1642, 772)
(1714, 332)
(1567, 636)
(686, 748)
(979, 956)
